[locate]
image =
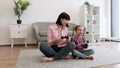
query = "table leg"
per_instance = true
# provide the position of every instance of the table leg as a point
(12, 44)
(25, 40)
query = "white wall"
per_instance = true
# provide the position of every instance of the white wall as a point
(43, 11)
(108, 17)
(119, 18)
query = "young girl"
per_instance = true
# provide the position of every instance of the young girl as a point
(79, 40)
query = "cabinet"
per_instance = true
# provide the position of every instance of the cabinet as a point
(18, 31)
(91, 21)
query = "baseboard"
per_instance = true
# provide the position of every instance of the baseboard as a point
(115, 40)
(19, 44)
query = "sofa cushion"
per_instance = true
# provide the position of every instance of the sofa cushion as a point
(70, 33)
(43, 33)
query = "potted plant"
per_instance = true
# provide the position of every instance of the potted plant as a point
(20, 6)
(88, 5)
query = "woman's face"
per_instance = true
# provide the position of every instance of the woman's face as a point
(80, 31)
(64, 22)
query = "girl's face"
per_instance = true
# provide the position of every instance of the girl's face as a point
(79, 31)
(64, 22)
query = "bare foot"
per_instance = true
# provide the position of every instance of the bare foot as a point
(90, 57)
(67, 57)
(47, 59)
(77, 57)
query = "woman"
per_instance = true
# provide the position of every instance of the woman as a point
(57, 46)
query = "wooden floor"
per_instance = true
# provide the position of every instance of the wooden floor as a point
(9, 56)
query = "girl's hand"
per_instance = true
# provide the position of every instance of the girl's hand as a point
(79, 46)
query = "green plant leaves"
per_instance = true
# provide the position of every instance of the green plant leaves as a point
(20, 6)
(88, 5)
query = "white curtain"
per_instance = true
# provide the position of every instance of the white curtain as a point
(119, 18)
(115, 31)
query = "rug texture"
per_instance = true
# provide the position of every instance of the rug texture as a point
(103, 56)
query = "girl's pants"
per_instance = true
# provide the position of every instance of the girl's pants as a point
(82, 53)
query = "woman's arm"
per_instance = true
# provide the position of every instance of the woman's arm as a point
(51, 39)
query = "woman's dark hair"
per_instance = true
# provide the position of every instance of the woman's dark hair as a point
(63, 15)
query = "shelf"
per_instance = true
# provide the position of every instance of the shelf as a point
(95, 15)
(95, 10)
(89, 34)
(91, 23)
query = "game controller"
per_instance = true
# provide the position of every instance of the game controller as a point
(66, 37)
(84, 45)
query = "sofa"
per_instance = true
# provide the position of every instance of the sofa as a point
(40, 30)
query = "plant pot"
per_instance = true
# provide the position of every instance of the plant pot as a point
(19, 21)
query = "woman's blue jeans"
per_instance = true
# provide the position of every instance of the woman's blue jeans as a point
(58, 52)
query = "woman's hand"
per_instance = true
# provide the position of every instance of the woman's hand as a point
(69, 39)
(57, 40)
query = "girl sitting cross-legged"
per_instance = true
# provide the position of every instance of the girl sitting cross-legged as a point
(81, 51)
